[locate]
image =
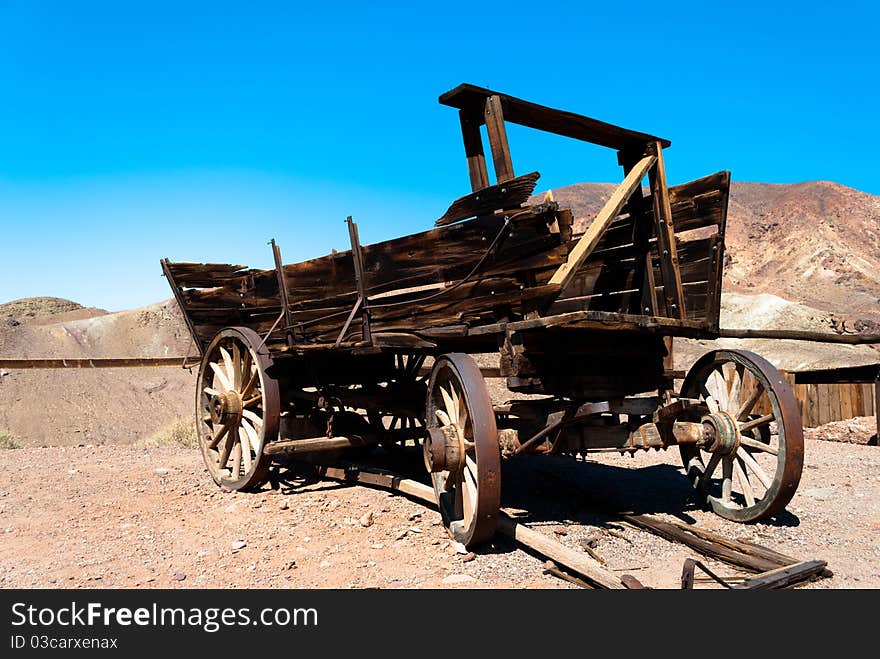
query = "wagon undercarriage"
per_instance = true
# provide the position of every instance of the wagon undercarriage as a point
(372, 346)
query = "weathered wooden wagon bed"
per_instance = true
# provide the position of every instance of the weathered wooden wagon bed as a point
(329, 355)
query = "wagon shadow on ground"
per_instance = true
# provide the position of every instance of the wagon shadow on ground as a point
(547, 491)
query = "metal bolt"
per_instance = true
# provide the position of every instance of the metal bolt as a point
(665, 252)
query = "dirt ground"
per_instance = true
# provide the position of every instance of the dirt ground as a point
(124, 516)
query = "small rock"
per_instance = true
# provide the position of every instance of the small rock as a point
(284, 505)
(591, 541)
(415, 516)
(459, 548)
(454, 579)
(72, 471)
(366, 519)
(377, 546)
(238, 544)
(177, 576)
(560, 530)
(325, 564)
(307, 539)
(819, 493)
(415, 529)
(292, 564)
(467, 558)
(402, 534)
(161, 470)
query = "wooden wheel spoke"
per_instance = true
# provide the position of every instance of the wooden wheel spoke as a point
(221, 375)
(744, 483)
(218, 436)
(228, 366)
(227, 449)
(236, 367)
(236, 455)
(469, 490)
(251, 401)
(255, 419)
(710, 469)
(749, 403)
(211, 392)
(754, 467)
(735, 392)
(246, 447)
(726, 479)
(745, 427)
(720, 388)
(252, 382)
(712, 403)
(451, 409)
(758, 446)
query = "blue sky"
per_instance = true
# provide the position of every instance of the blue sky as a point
(132, 131)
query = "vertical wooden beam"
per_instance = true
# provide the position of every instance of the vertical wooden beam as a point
(646, 303)
(494, 116)
(282, 291)
(672, 290)
(178, 295)
(358, 259)
(473, 150)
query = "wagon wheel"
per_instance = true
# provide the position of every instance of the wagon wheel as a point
(237, 408)
(758, 438)
(407, 379)
(461, 450)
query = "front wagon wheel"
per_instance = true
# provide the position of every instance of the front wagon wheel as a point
(237, 408)
(753, 467)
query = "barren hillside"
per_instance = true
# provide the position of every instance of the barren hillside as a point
(90, 406)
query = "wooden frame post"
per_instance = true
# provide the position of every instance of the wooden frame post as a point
(358, 259)
(646, 303)
(282, 291)
(587, 242)
(494, 115)
(473, 150)
(669, 270)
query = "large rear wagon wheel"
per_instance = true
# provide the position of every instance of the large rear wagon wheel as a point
(753, 467)
(237, 408)
(461, 450)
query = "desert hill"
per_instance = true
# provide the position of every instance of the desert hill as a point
(91, 406)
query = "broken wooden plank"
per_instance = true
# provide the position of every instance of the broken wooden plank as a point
(508, 194)
(587, 242)
(705, 547)
(784, 577)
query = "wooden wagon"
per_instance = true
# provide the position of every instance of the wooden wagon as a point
(374, 345)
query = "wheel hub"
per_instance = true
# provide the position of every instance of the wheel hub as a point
(226, 407)
(722, 433)
(444, 449)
